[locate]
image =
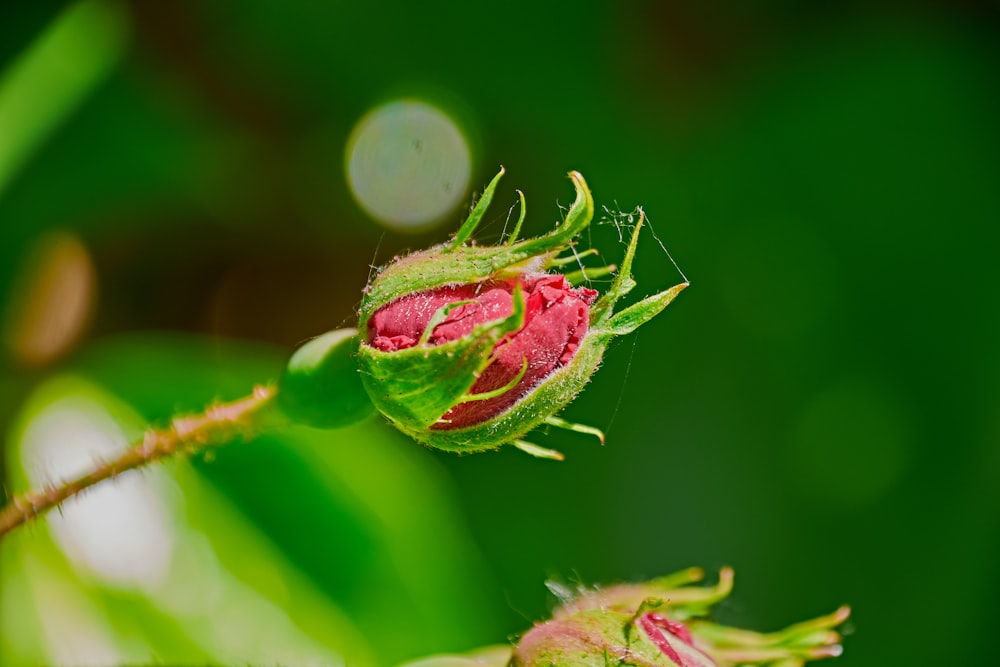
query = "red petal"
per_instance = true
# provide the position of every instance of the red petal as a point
(556, 320)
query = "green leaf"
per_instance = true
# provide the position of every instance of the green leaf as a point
(51, 78)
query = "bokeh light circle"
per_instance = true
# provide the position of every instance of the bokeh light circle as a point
(122, 533)
(408, 164)
(52, 299)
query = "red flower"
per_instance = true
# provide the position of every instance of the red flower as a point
(555, 322)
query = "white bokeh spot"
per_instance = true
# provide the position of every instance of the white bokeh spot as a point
(408, 164)
(121, 531)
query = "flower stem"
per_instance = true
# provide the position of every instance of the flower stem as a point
(217, 425)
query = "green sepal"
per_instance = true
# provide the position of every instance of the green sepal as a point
(622, 284)
(321, 386)
(470, 224)
(538, 452)
(520, 219)
(686, 601)
(414, 387)
(633, 317)
(455, 264)
(529, 412)
(584, 276)
(604, 321)
(797, 644)
(576, 428)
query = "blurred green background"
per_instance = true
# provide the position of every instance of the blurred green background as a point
(188, 190)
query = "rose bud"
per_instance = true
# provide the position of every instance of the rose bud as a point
(660, 623)
(467, 347)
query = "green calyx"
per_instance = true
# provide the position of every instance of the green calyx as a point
(415, 387)
(455, 263)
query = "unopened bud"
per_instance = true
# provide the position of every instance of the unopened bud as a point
(661, 623)
(467, 348)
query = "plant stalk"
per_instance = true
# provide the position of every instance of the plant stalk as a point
(217, 425)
